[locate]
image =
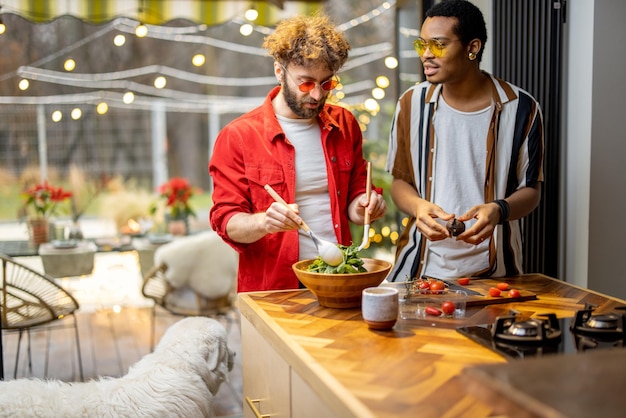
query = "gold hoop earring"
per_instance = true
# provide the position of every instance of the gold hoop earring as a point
(471, 56)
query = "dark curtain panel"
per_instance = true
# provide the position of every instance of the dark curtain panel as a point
(527, 39)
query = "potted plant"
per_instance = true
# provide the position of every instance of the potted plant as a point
(41, 202)
(177, 193)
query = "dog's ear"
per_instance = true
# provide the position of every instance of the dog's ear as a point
(219, 361)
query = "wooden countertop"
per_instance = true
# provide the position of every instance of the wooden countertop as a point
(413, 370)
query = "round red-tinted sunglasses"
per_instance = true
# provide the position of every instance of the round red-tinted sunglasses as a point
(307, 86)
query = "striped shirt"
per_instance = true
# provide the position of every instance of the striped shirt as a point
(514, 159)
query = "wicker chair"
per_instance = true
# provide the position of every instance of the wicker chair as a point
(193, 276)
(31, 299)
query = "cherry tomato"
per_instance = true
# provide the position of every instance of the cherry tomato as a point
(514, 293)
(433, 311)
(464, 281)
(448, 307)
(423, 285)
(437, 285)
(502, 286)
(494, 291)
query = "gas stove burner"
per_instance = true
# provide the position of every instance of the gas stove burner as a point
(530, 331)
(609, 325)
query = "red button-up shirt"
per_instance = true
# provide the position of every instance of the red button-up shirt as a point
(252, 151)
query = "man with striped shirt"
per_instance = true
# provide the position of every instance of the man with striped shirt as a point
(466, 145)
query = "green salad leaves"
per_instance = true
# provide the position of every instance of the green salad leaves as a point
(351, 263)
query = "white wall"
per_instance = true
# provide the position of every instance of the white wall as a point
(576, 142)
(594, 147)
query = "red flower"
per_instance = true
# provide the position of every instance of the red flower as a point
(43, 198)
(177, 193)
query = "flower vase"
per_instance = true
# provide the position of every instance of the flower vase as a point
(38, 230)
(178, 225)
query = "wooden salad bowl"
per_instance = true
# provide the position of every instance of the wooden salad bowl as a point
(341, 290)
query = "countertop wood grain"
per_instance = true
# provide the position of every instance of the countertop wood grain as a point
(413, 370)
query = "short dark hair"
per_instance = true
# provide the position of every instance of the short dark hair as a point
(471, 21)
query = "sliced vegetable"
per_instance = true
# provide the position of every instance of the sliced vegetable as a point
(514, 293)
(502, 286)
(432, 311)
(464, 281)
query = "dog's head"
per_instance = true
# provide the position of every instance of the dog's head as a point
(202, 343)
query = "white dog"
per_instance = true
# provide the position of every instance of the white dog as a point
(178, 379)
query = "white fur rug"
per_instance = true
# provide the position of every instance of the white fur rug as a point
(179, 379)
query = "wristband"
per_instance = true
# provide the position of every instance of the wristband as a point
(505, 210)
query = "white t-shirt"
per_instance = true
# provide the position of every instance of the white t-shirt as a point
(458, 184)
(311, 181)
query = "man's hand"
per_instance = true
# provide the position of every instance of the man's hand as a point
(425, 215)
(376, 207)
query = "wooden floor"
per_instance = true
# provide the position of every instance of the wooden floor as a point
(110, 342)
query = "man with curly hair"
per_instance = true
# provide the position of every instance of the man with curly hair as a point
(307, 150)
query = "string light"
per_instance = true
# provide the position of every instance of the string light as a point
(102, 108)
(129, 97)
(119, 40)
(141, 30)
(198, 60)
(23, 84)
(382, 82)
(246, 29)
(76, 113)
(3, 27)
(391, 62)
(160, 82)
(69, 65)
(251, 14)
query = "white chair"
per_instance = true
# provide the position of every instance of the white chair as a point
(194, 275)
(31, 299)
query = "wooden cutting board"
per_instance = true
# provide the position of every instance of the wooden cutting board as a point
(478, 292)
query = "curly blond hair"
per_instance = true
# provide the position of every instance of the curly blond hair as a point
(306, 40)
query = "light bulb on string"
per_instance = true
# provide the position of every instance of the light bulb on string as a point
(3, 28)
(69, 65)
(24, 84)
(102, 108)
(251, 14)
(391, 62)
(141, 30)
(198, 60)
(119, 40)
(382, 81)
(378, 93)
(128, 97)
(160, 82)
(246, 29)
